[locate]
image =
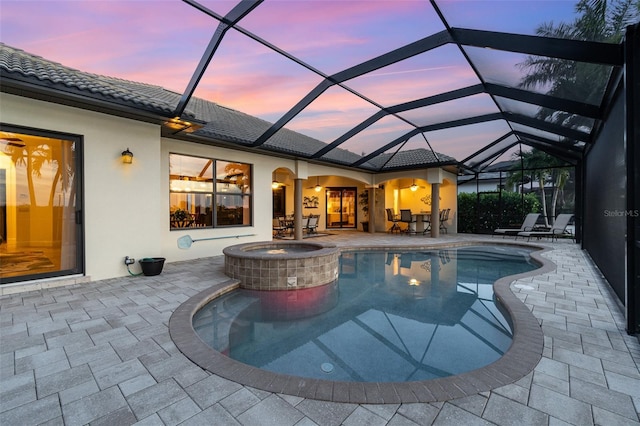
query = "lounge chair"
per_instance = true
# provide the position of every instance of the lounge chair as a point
(528, 224)
(559, 228)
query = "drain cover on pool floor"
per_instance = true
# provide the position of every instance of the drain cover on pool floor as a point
(327, 367)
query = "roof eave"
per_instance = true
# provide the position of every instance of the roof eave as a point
(16, 84)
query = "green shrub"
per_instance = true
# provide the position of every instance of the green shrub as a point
(491, 210)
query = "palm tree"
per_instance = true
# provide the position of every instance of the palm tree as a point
(536, 165)
(598, 20)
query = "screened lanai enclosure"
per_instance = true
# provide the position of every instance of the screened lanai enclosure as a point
(386, 86)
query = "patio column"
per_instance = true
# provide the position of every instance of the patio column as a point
(297, 209)
(435, 177)
(435, 210)
(372, 210)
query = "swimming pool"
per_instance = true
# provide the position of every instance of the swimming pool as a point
(519, 360)
(392, 316)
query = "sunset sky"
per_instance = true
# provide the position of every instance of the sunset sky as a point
(161, 41)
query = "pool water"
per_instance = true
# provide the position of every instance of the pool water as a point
(392, 316)
(282, 250)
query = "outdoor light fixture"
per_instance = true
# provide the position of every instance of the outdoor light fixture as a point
(275, 184)
(413, 186)
(127, 156)
(176, 125)
(317, 188)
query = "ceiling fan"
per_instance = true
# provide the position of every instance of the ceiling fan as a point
(275, 184)
(318, 187)
(414, 186)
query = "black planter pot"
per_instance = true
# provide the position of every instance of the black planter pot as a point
(151, 265)
(365, 226)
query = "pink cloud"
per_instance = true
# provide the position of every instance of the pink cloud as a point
(129, 40)
(339, 34)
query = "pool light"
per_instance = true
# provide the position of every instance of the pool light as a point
(327, 367)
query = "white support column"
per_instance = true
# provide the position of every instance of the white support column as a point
(297, 209)
(434, 176)
(372, 210)
(302, 173)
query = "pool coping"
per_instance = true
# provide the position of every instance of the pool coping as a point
(520, 359)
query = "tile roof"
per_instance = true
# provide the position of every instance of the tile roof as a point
(410, 158)
(222, 123)
(16, 63)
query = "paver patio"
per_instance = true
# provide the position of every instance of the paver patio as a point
(100, 353)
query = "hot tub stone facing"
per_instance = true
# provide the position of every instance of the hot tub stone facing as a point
(291, 264)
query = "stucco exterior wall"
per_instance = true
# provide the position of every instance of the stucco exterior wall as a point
(121, 206)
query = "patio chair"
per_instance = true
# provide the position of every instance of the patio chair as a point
(312, 225)
(527, 225)
(444, 217)
(278, 228)
(289, 223)
(408, 218)
(426, 222)
(559, 228)
(395, 219)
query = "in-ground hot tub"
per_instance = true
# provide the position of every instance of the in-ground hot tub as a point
(282, 265)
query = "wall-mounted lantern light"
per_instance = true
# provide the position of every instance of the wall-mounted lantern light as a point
(127, 156)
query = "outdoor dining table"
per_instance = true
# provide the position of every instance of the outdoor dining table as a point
(422, 221)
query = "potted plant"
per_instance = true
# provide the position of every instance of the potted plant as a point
(180, 218)
(179, 214)
(363, 201)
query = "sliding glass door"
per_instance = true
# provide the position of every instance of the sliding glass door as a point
(40, 226)
(341, 208)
